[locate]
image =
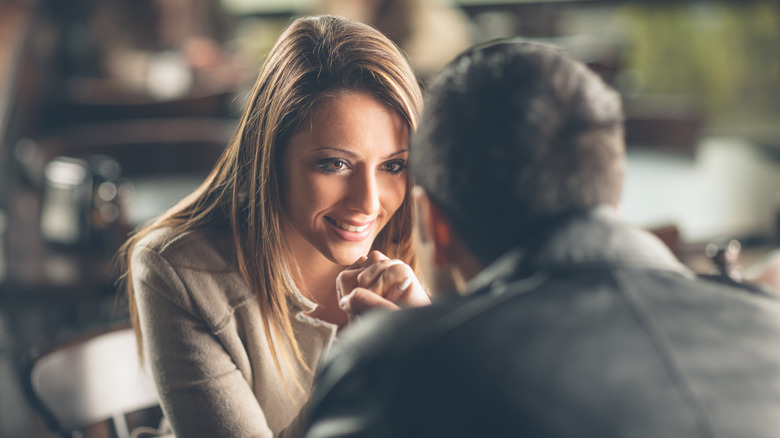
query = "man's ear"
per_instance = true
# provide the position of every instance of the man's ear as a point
(435, 228)
(442, 236)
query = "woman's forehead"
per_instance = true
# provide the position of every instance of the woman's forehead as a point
(355, 122)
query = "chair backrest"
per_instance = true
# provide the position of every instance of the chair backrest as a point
(95, 379)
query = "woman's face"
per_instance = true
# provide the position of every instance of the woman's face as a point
(344, 177)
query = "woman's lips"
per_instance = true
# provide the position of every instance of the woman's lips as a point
(350, 231)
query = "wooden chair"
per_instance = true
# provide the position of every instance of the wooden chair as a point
(94, 379)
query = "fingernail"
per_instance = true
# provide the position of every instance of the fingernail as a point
(344, 301)
(405, 285)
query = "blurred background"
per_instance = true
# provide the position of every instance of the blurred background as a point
(112, 110)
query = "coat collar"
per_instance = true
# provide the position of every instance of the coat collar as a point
(586, 239)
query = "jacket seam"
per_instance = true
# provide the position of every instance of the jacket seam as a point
(216, 328)
(176, 276)
(219, 326)
(625, 291)
(170, 243)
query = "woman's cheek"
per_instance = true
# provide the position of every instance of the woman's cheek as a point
(398, 193)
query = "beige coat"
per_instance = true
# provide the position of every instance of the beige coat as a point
(205, 343)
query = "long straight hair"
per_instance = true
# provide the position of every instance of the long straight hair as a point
(313, 59)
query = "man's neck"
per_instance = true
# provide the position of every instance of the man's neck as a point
(464, 265)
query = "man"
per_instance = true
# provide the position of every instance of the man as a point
(571, 324)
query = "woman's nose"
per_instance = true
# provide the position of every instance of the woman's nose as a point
(364, 193)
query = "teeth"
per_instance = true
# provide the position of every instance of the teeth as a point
(351, 228)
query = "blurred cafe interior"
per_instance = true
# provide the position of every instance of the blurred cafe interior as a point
(113, 110)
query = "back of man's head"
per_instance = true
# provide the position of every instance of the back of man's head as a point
(514, 135)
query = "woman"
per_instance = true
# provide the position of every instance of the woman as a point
(233, 291)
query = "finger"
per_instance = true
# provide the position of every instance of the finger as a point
(358, 263)
(395, 293)
(375, 256)
(347, 279)
(413, 296)
(397, 279)
(402, 287)
(340, 280)
(373, 273)
(362, 300)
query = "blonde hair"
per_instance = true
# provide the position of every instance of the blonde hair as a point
(314, 58)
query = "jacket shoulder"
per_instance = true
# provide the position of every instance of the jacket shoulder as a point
(193, 249)
(195, 269)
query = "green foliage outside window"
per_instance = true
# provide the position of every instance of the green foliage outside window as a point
(725, 55)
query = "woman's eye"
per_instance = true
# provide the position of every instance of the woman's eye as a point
(332, 164)
(394, 167)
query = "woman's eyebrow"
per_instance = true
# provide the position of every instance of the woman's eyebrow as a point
(396, 153)
(343, 151)
(353, 154)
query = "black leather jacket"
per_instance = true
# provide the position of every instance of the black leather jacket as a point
(600, 332)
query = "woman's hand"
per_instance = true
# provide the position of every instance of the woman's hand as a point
(377, 282)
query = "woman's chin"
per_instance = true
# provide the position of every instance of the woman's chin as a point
(346, 258)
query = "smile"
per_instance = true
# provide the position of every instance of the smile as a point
(348, 227)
